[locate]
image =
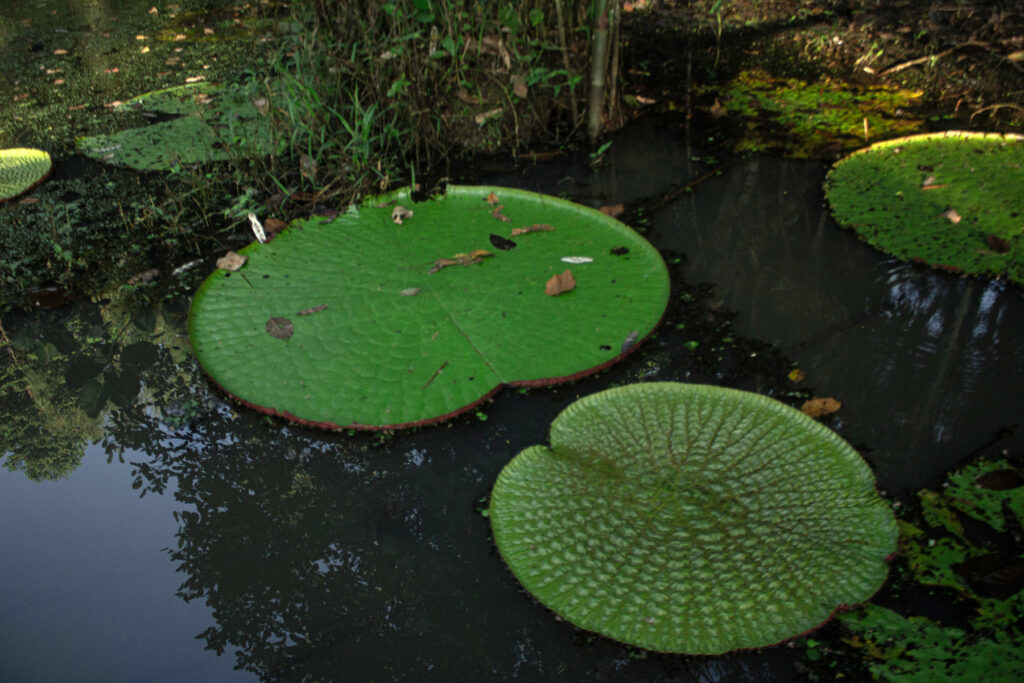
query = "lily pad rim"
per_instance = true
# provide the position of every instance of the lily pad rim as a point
(403, 194)
(923, 137)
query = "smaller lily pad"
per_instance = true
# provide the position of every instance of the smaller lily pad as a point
(692, 519)
(950, 200)
(21, 169)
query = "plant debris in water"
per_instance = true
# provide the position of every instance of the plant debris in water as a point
(966, 539)
(813, 120)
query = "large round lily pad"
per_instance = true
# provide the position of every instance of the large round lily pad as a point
(693, 519)
(951, 200)
(363, 321)
(21, 169)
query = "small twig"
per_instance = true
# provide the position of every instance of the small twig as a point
(434, 376)
(921, 60)
(994, 107)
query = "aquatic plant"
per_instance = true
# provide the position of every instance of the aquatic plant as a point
(399, 313)
(951, 200)
(693, 519)
(21, 169)
(944, 546)
(813, 120)
(211, 123)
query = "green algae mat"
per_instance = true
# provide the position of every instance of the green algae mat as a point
(398, 313)
(813, 120)
(21, 169)
(952, 200)
(692, 519)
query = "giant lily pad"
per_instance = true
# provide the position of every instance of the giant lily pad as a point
(693, 519)
(211, 123)
(22, 169)
(364, 321)
(951, 200)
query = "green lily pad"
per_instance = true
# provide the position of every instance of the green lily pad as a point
(692, 519)
(950, 200)
(361, 321)
(21, 169)
(212, 123)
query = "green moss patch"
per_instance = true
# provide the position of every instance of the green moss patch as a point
(813, 120)
(964, 541)
(694, 519)
(951, 200)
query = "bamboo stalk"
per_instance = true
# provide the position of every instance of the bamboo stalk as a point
(598, 58)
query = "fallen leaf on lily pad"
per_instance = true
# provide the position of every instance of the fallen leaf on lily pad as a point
(280, 328)
(536, 227)
(502, 243)
(952, 216)
(231, 261)
(817, 407)
(473, 257)
(310, 311)
(997, 244)
(559, 283)
(272, 226)
(498, 214)
(400, 213)
(613, 211)
(410, 291)
(492, 199)
(630, 340)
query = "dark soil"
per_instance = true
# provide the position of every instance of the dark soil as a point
(966, 57)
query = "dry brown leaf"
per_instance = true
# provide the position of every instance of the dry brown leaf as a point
(463, 95)
(997, 244)
(473, 257)
(559, 283)
(272, 226)
(485, 116)
(795, 375)
(400, 213)
(952, 216)
(717, 110)
(280, 328)
(519, 86)
(613, 211)
(498, 214)
(536, 227)
(144, 277)
(492, 199)
(312, 310)
(231, 261)
(307, 167)
(817, 407)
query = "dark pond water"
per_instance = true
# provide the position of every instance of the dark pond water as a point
(184, 526)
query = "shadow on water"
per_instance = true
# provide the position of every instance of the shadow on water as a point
(303, 555)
